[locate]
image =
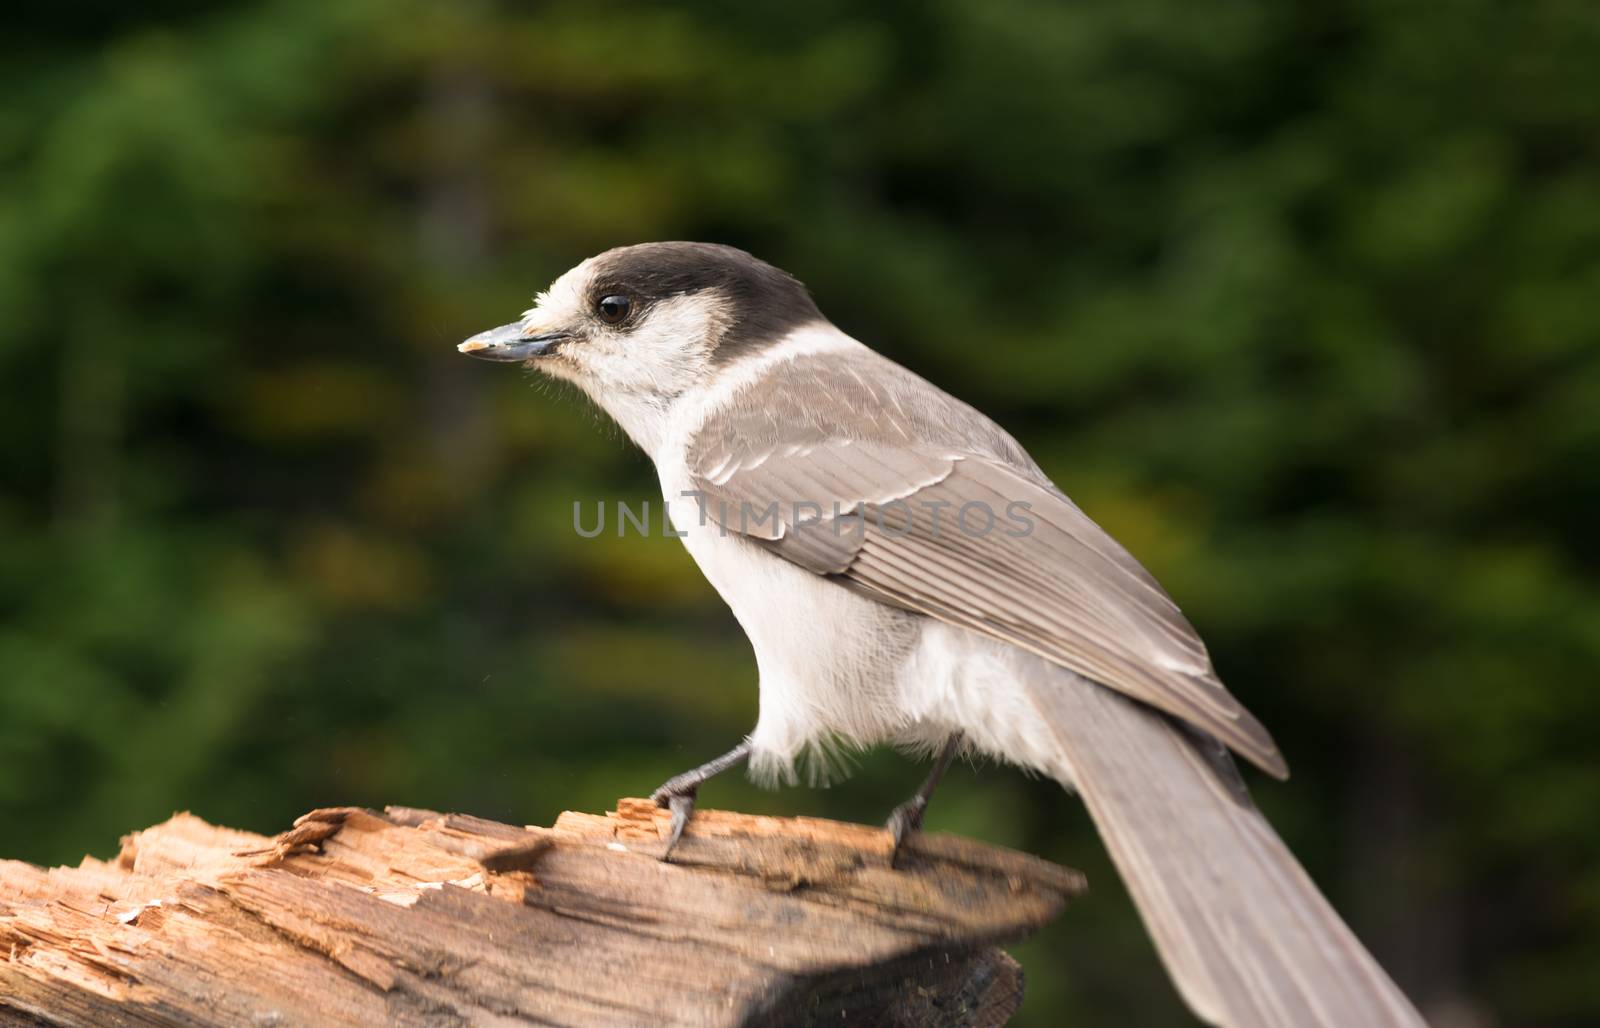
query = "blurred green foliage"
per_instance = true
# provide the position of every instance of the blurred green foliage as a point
(1299, 300)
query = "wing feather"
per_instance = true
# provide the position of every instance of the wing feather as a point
(858, 503)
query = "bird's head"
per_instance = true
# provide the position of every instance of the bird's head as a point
(646, 323)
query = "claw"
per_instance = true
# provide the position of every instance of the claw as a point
(677, 794)
(682, 805)
(903, 821)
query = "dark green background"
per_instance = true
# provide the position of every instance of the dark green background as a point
(1298, 299)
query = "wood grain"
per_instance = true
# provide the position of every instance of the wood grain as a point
(411, 917)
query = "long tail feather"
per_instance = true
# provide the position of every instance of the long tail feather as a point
(1243, 931)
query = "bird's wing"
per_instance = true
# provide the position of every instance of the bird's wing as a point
(866, 483)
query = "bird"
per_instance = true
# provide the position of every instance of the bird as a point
(907, 574)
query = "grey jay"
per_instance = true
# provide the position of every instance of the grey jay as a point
(809, 475)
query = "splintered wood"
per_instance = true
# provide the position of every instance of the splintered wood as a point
(353, 917)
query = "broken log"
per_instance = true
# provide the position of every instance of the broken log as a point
(355, 917)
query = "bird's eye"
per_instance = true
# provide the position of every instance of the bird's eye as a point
(613, 309)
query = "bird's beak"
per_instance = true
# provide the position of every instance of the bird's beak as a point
(510, 343)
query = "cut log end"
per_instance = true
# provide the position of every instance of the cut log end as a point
(354, 917)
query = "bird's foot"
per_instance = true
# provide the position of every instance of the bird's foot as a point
(903, 821)
(680, 801)
(907, 817)
(678, 793)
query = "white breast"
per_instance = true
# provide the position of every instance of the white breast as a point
(835, 667)
(828, 659)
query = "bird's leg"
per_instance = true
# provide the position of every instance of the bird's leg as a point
(907, 817)
(677, 794)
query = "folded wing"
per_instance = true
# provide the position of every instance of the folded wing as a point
(899, 504)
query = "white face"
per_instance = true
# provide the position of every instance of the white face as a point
(640, 326)
(625, 350)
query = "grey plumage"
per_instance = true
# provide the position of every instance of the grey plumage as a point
(820, 471)
(1242, 929)
(1244, 932)
(904, 451)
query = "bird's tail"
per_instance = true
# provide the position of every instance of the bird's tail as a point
(1244, 933)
